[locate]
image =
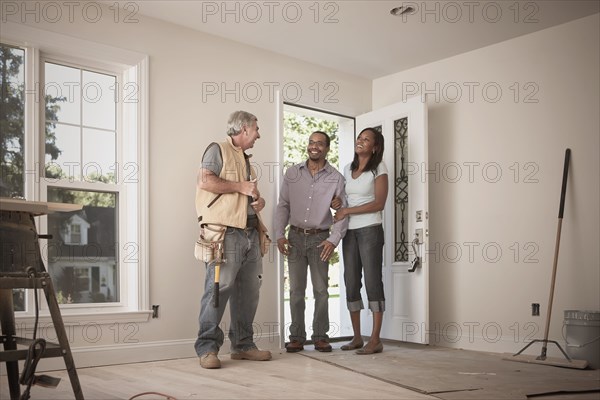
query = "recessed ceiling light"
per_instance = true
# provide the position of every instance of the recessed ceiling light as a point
(398, 11)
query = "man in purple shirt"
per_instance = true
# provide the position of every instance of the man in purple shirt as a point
(304, 204)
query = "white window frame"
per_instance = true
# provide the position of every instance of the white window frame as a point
(132, 69)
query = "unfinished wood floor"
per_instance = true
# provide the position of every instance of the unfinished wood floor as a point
(287, 376)
(449, 374)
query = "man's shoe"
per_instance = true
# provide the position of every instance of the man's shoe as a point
(294, 346)
(322, 346)
(252, 355)
(210, 361)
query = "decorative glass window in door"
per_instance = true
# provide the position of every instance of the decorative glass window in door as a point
(401, 189)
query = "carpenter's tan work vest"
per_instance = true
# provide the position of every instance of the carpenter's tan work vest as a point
(228, 209)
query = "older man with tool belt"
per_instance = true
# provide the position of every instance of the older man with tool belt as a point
(304, 203)
(227, 195)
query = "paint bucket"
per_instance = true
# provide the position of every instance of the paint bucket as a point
(581, 331)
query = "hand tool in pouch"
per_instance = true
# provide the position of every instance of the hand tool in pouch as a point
(218, 261)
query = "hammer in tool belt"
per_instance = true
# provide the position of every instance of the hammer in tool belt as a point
(218, 261)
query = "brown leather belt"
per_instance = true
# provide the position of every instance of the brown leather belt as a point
(308, 231)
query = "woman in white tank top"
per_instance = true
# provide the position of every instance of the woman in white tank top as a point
(367, 189)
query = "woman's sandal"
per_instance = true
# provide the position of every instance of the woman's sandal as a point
(377, 349)
(351, 346)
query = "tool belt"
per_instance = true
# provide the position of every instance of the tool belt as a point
(209, 245)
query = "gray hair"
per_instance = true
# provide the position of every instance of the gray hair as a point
(237, 121)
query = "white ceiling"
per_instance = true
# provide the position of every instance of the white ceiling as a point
(361, 37)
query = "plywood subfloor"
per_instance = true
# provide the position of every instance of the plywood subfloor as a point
(459, 374)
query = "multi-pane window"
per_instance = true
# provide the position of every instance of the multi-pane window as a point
(12, 133)
(81, 127)
(12, 121)
(81, 123)
(73, 130)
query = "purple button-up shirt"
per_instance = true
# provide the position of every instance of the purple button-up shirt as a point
(304, 201)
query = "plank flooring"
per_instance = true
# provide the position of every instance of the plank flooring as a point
(287, 376)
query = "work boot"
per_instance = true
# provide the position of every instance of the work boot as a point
(210, 361)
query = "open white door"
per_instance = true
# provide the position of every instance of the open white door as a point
(404, 127)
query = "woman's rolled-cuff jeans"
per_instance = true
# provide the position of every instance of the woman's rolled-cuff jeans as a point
(363, 250)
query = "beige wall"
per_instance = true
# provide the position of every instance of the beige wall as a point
(481, 292)
(182, 124)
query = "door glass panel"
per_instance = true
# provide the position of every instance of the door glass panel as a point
(400, 189)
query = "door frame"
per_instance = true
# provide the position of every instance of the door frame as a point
(345, 328)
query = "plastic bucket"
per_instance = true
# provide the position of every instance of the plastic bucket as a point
(581, 331)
